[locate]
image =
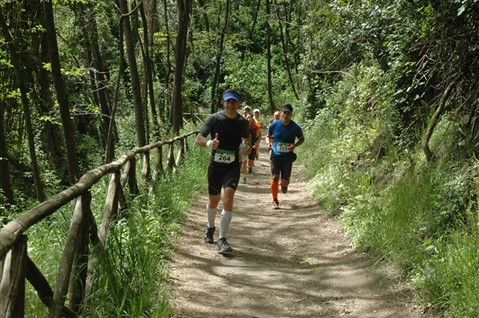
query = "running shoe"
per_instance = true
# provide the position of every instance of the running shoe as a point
(284, 189)
(275, 204)
(250, 170)
(243, 180)
(223, 246)
(209, 235)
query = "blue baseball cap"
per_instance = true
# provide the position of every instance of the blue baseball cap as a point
(231, 95)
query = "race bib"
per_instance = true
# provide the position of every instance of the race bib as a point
(224, 156)
(282, 147)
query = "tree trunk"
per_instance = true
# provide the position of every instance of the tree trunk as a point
(215, 102)
(255, 21)
(205, 15)
(149, 75)
(164, 110)
(17, 61)
(109, 154)
(135, 79)
(149, 95)
(151, 14)
(100, 75)
(284, 36)
(5, 184)
(62, 96)
(432, 124)
(51, 134)
(272, 107)
(184, 9)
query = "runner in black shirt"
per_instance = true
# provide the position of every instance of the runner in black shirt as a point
(227, 128)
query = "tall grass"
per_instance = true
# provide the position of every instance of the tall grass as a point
(45, 246)
(130, 278)
(389, 224)
(451, 278)
(425, 222)
(421, 216)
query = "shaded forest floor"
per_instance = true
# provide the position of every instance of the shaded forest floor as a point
(292, 262)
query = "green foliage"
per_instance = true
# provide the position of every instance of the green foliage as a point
(393, 205)
(248, 74)
(138, 246)
(368, 77)
(46, 254)
(354, 128)
(368, 167)
(449, 277)
(390, 224)
(132, 259)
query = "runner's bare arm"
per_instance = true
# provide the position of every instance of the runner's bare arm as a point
(203, 141)
(298, 143)
(269, 142)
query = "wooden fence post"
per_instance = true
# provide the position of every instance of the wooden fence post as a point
(80, 261)
(66, 263)
(111, 208)
(171, 156)
(12, 287)
(110, 211)
(129, 176)
(159, 170)
(16, 266)
(145, 171)
(181, 151)
(132, 183)
(41, 285)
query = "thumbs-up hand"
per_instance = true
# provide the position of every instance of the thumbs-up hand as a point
(213, 144)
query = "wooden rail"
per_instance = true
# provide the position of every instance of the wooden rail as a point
(17, 266)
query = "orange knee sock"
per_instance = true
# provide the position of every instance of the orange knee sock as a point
(274, 189)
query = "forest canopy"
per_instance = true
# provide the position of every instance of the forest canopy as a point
(387, 93)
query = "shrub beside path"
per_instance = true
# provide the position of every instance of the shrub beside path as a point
(292, 262)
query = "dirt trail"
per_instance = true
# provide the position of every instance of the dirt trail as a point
(292, 262)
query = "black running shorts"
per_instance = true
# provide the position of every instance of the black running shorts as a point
(222, 177)
(282, 165)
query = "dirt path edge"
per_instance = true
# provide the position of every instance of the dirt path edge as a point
(292, 262)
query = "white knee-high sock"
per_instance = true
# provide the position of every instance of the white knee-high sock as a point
(225, 221)
(211, 214)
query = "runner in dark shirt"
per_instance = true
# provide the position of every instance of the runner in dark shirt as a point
(227, 128)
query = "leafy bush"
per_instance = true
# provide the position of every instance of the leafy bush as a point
(138, 246)
(371, 171)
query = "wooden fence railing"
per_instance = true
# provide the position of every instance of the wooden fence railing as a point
(16, 264)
